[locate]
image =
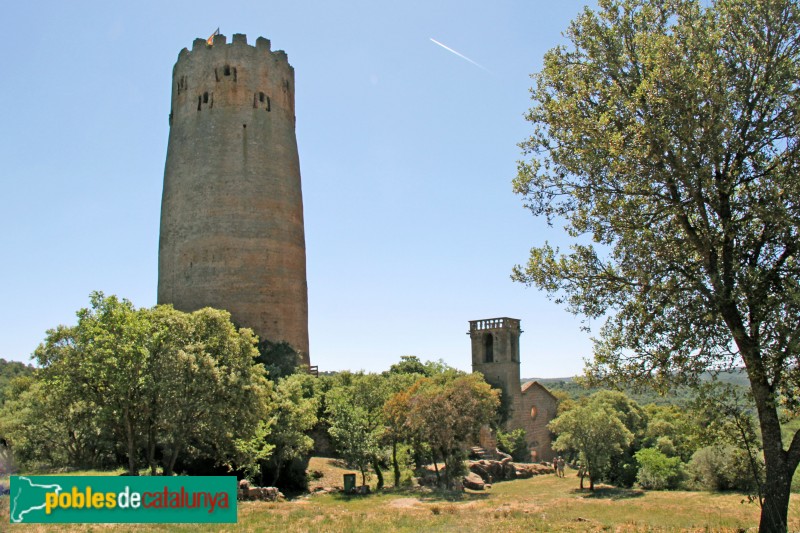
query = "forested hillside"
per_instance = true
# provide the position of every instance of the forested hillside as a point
(575, 388)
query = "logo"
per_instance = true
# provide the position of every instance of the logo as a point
(111, 499)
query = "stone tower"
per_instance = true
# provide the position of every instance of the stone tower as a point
(495, 354)
(232, 232)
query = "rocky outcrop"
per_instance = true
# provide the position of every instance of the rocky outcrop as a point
(494, 471)
(248, 492)
(473, 481)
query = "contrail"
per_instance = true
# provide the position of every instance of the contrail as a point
(459, 55)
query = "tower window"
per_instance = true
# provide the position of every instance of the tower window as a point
(205, 98)
(488, 348)
(260, 97)
(227, 70)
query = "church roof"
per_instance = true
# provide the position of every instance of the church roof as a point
(529, 385)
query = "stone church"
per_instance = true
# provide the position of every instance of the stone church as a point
(495, 354)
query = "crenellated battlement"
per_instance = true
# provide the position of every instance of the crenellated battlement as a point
(238, 42)
(232, 75)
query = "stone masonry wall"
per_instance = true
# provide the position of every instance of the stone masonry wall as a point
(232, 233)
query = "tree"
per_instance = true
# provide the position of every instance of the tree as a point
(514, 443)
(209, 392)
(40, 432)
(294, 415)
(725, 416)
(671, 430)
(10, 370)
(667, 134)
(155, 382)
(595, 431)
(394, 412)
(624, 468)
(410, 364)
(657, 471)
(357, 422)
(102, 361)
(278, 358)
(446, 412)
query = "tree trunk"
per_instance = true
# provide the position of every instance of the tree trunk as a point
(131, 444)
(776, 503)
(151, 448)
(447, 468)
(170, 466)
(780, 464)
(395, 464)
(775, 509)
(278, 464)
(378, 472)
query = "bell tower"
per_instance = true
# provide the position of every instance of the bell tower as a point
(495, 354)
(531, 407)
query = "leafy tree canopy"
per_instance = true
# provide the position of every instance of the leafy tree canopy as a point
(10, 370)
(665, 137)
(153, 383)
(594, 430)
(444, 412)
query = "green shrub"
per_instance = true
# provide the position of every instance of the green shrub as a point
(405, 459)
(514, 444)
(724, 468)
(657, 471)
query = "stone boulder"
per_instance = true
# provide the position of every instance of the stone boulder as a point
(504, 469)
(247, 492)
(473, 481)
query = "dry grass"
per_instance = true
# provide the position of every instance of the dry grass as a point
(332, 471)
(543, 503)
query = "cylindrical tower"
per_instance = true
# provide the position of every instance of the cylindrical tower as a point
(232, 232)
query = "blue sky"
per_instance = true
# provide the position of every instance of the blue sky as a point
(407, 153)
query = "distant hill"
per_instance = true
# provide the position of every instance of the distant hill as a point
(737, 377)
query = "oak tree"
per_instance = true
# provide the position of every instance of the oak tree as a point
(665, 138)
(595, 431)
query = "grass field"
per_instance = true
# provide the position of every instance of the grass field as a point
(543, 503)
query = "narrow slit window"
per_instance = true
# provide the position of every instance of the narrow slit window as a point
(260, 97)
(488, 347)
(205, 98)
(227, 70)
(199, 102)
